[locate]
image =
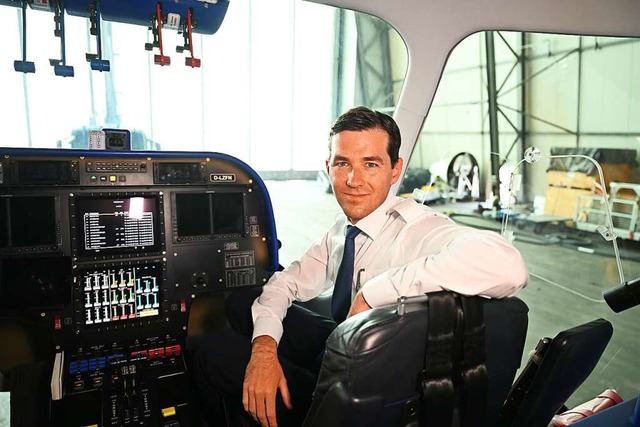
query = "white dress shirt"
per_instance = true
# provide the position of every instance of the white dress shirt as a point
(405, 249)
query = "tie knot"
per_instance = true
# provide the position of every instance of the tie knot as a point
(352, 231)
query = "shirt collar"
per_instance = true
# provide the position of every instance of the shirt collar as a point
(372, 224)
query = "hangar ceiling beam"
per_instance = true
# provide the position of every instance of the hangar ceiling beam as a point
(374, 81)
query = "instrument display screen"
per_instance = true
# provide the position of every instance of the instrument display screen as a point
(118, 224)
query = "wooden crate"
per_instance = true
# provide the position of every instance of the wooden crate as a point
(562, 200)
(612, 172)
(571, 180)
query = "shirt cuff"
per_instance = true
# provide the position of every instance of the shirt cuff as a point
(379, 291)
(266, 326)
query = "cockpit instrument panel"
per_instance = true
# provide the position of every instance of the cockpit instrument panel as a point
(106, 251)
(134, 236)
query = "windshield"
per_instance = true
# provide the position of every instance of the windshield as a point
(505, 96)
(271, 81)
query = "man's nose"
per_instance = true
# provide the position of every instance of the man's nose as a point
(355, 178)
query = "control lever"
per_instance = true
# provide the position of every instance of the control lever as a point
(187, 32)
(60, 67)
(24, 66)
(56, 376)
(156, 30)
(96, 61)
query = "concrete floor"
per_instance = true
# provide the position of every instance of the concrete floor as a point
(565, 287)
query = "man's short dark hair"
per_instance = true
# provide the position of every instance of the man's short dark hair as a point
(363, 118)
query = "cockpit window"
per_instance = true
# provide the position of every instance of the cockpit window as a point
(533, 136)
(271, 81)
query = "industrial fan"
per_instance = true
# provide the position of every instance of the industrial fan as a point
(462, 176)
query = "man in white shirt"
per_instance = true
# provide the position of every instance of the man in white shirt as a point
(401, 248)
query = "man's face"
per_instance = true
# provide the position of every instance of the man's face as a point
(360, 171)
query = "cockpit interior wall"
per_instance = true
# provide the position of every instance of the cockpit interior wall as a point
(101, 255)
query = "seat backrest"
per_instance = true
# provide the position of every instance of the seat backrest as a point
(371, 369)
(554, 372)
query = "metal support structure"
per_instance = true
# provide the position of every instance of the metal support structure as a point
(524, 99)
(578, 102)
(374, 77)
(495, 109)
(374, 81)
(338, 77)
(492, 100)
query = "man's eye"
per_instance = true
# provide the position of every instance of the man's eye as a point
(340, 164)
(371, 165)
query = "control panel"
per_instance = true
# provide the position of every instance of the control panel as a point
(108, 250)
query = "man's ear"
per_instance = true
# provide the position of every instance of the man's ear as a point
(396, 171)
(326, 165)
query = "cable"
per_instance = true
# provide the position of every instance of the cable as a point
(564, 288)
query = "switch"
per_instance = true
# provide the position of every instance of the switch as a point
(169, 412)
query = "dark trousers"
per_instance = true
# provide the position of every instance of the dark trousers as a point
(218, 361)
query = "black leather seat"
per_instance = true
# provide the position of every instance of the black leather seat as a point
(371, 372)
(554, 372)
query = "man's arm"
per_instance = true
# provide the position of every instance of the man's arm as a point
(358, 305)
(264, 376)
(301, 281)
(262, 380)
(468, 261)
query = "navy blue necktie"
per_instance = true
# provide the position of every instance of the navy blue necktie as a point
(341, 299)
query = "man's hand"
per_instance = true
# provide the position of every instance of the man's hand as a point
(262, 380)
(358, 305)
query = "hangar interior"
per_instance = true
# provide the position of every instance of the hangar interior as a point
(267, 94)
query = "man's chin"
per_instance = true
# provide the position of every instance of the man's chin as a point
(355, 215)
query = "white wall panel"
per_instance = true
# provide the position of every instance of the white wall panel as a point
(553, 93)
(611, 88)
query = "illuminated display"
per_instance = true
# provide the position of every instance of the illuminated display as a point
(114, 225)
(120, 293)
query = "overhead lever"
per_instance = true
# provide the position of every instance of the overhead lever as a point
(189, 61)
(96, 61)
(24, 66)
(156, 25)
(60, 67)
